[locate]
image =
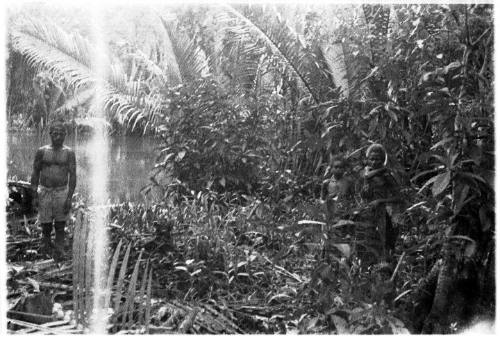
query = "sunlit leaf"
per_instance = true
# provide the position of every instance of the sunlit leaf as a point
(280, 296)
(180, 155)
(371, 74)
(196, 272)
(397, 326)
(340, 324)
(345, 249)
(429, 182)
(470, 249)
(486, 221)
(441, 183)
(311, 222)
(34, 283)
(451, 66)
(401, 295)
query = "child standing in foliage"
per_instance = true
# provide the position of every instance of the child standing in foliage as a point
(340, 190)
(380, 191)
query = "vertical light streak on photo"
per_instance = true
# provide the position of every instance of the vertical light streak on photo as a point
(3, 167)
(98, 151)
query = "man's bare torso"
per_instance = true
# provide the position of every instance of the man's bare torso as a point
(55, 166)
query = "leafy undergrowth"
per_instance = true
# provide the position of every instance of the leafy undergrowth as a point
(262, 273)
(269, 275)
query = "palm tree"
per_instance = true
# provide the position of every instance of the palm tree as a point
(135, 96)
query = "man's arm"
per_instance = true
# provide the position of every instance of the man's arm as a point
(72, 174)
(72, 180)
(37, 168)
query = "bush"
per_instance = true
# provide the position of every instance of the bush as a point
(209, 141)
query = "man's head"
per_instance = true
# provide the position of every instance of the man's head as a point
(339, 166)
(57, 133)
(376, 156)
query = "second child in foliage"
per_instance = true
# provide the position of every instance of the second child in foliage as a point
(340, 190)
(381, 193)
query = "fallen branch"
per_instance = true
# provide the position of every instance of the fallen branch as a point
(50, 324)
(283, 270)
(397, 267)
(22, 241)
(48, 285)
(35, 326)
(31, 317)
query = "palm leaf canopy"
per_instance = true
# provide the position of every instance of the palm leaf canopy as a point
(69, 56)
(187, 60)
(257, 26)
(46, 46)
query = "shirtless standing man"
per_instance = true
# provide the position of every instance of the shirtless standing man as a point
(54, 179)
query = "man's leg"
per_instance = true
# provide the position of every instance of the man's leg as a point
(46, 240)
(59, 241)
(45, 219)
(60, 218)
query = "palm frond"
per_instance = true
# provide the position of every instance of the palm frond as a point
(48, 47)
(79, 98)
(247, 58)
(304, 64)
(189, 59)
(157, 74)
(334, 56)
(130, 103)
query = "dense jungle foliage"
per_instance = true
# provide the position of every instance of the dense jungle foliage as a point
(251, 103)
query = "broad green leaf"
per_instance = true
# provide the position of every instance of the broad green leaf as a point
(392, 115)
(441, 183)
(445, 90)
(440, 159)
(470, 249)
(180, 155)
(196, 272)
(464, 193)
(486, 222)
(311, 222)
(474, 177)
(397, 326)
(372, 73)
(429, 182)
(374, 110)
(343, 222)
(452, 66)
(423, 173)
(345, 249)
(279, 296)
(340, 324)
(442, 142)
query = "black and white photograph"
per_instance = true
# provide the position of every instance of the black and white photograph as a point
(248, 167)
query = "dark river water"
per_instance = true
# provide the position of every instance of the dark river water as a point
(130, 160)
